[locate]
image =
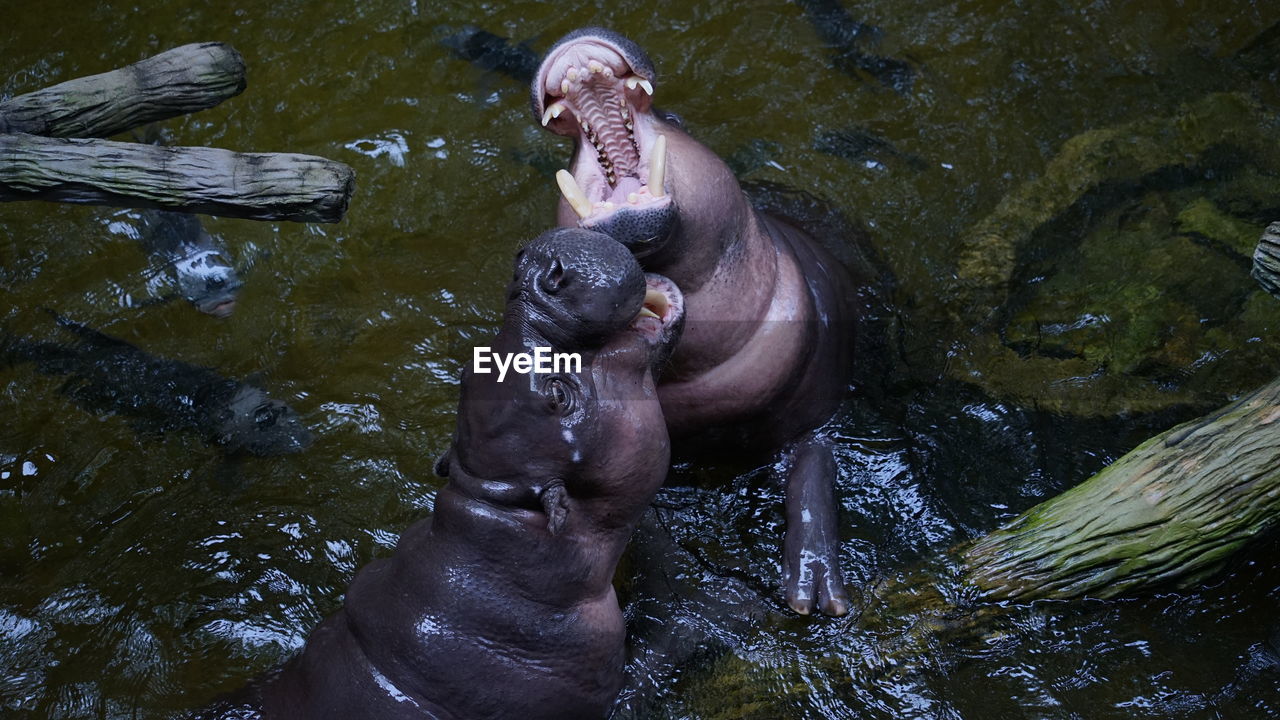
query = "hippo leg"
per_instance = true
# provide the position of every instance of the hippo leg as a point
(811, 548)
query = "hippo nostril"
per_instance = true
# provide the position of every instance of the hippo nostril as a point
(217, 282)
(555, 279)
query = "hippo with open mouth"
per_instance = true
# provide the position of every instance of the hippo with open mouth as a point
(767, 350)
(502, 604)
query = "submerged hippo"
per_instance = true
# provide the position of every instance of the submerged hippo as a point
(767, 352)
(192, 260)
(158, 395)
(502, 603)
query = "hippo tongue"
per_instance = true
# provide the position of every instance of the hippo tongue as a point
(625, 187)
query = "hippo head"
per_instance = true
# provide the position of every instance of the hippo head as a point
(576, 433)
(253, 422)
(197, 263)
(208, 281)
(635, 174)
(573, 289)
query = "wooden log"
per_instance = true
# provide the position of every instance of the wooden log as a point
(257, 186)
(1172, 510)
(175, 82)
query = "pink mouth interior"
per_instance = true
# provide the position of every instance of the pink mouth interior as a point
(588, 79)
(222, 309)
(653, 327)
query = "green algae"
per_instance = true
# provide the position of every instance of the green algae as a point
(1117, 282)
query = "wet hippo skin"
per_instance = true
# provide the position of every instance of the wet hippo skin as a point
(766, 353)
(501, 604)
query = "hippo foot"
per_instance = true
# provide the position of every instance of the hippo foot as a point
(812, 576)
(811, 548)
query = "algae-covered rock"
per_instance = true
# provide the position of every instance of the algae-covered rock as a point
(1118, 281)
(1202, 219)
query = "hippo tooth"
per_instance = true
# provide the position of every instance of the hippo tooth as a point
(632, 82)
(572, 193)
(633, 198)
(655, 299)
(658, 167)
(573, 74)
(595, 67)
(552, 112)
(646, 312)
(646, 86)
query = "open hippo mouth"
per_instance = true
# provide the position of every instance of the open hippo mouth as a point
(221, 309)
(662, 312)
(597, 87)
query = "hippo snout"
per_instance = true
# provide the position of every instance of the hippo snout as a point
(576, 285)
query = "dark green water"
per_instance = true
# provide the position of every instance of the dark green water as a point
(140, 575)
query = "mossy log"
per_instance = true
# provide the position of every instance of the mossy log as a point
(1172, 510)
(257, 186)
(175, 82)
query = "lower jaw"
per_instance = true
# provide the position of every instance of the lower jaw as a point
(643, 229)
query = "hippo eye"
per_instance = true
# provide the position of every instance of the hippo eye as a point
(671, 117)
(265, 417)
(558, 396)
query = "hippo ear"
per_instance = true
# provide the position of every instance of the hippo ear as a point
(555, 503)
(442, 463)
